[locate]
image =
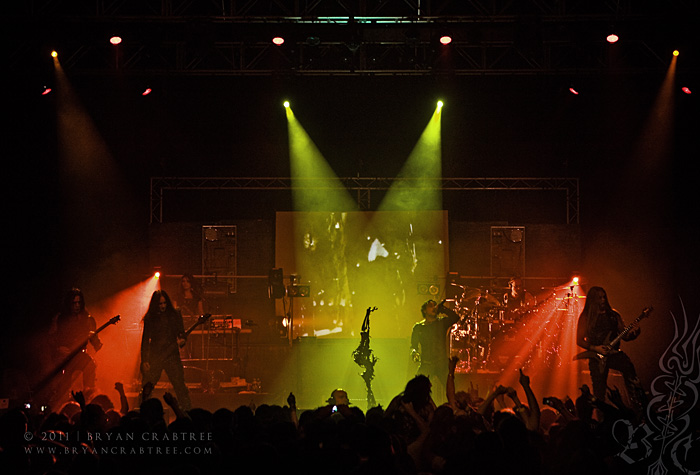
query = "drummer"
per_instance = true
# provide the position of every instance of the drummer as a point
(517, 300)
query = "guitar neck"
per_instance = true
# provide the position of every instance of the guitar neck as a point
(199, 321)
(627, 329)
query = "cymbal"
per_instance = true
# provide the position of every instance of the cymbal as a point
(489, 299)
(483, 296)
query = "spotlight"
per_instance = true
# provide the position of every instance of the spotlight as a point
(47, 90)
(684, 89)
(676, 52)
(575, 280)
(278, 40)
(156, 275)
(573, 91)
(439, 104)
(54, 54)
(147, 91)
(612, 38)
(445, 39)
(115, 40)
(286, 104)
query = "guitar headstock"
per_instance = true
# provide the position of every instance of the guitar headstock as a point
(114, 320)
(203, 318)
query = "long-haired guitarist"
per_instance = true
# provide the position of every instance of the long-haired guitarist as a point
(72, 327)
(598, 326)
(163, 336)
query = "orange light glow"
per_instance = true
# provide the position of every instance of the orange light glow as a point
(54, 54)
(575, 280)
(676, 53)
(118, 360)
(156, 275)
(543, 343)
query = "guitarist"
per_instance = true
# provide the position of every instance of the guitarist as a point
(599, 324)
(163, 336)
(71, 328)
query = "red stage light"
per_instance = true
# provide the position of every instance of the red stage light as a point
(684, 89)
(278, 40)
(115, 40)
(146, 92)
(46, 91)
(573, 91)
(612, 38)
(445, 39)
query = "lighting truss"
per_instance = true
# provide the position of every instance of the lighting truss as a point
(364, 187)
(329, 37)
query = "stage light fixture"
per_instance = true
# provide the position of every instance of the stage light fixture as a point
(286, 104)
(575, 280)
(46, 91)
(156, 275)
(440, 104)
(612, 38)
(445, 39)
(573, 91)
(115, 40)
(147, 91)
(684, 89)
(278, 40)
(54, 54)
(676, 52)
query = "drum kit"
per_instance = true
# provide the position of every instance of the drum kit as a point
(482, 318)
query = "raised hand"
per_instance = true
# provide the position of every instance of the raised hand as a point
(79, 397)
(453, 364)
(524, 379)
(147, 390)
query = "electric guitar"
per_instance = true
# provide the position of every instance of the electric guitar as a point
(612, 344)
(57, 392)
(175, 347)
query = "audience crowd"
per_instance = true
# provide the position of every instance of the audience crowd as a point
(495, 434)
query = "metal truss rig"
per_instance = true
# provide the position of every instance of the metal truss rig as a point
(346, 37)
(364, 186)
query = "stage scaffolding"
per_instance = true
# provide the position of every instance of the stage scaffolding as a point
(363, 187)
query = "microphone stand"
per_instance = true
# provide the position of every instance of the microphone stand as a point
(364, 358)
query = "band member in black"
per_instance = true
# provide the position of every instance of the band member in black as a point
(429, 343)
(163, 335)
(517, 300)
(598, 324)
(189, 298)
(73, 329)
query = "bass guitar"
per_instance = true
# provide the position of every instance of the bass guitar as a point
(612, 345)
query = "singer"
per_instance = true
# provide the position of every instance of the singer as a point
(429, 344)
